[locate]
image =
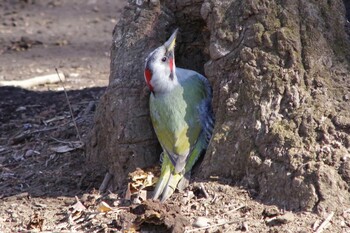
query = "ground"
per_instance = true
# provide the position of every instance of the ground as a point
(46, 184)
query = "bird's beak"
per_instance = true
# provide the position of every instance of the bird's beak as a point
(170, 43)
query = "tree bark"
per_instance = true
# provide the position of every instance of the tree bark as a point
(123, 138)
(280, 75)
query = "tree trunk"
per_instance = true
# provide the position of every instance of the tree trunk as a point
(280, 75)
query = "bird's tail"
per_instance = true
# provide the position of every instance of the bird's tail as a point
(174, 180)
(171, 185)
(168, 180)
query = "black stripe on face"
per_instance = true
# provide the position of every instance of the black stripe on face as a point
(169, 54)
(149, 61)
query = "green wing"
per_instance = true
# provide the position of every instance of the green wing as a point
(176, 119)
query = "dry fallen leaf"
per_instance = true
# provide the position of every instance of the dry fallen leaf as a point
(138, 181)
(141, 179)
(130, 230)
(78, 206)
(36, 222)
(104, 207)
(66, 148)
(143, 194)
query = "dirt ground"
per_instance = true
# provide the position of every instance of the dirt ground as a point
(44, 181)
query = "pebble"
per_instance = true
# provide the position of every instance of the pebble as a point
(40, 205)
(201, 222)
(285, 218)
(271, 211)
(245, 226)
(155, 2)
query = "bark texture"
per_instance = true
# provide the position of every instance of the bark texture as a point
(280, 74)
(123, 138)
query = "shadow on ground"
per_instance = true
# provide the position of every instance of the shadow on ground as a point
(40, 153)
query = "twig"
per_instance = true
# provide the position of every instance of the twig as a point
(245, 226)
(26, 134)
(325, 223)
(70, 143)
(271, 219)
(89, 108)
(70, 107)
(346, 211)
(214, 199)
(229, 229)
(35, 81)
(235, 209)
(204, 190)
(211, 226)
(56, 118)
(105, 182)
(60, 141)
(316, 225)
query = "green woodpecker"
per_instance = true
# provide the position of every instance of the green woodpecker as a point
(181, 114)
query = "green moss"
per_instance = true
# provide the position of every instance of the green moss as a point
(259, 30)
(271, 20)
(286, 133)
(290, 33)
(223, 133)
(340, 47)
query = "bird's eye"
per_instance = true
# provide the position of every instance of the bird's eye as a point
(164, 59)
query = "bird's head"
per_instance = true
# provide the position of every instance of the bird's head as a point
(160, 67)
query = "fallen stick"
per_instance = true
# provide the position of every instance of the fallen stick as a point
(325, 223)
(105, 182)
(211, 226)
(69, 105)
(206, 195)
(89, 108)
(39, 80)
(19, 138)
(237, 208)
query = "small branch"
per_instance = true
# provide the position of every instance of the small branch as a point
(271, 219)
(56, 118)
(35, 81)
(72, 144)
(325, 223)
(237, 208)
(346, 211)
(60, 141)
(27, 134)
(204, 190)
(89, 108)
(105, 182)
(245, 226)
(211, 226)
(70, 107)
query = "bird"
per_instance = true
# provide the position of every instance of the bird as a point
(181, 112)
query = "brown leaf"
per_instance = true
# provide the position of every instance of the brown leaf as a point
(36, 222)
(141, 179)
(104, 207)
(78, 206)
